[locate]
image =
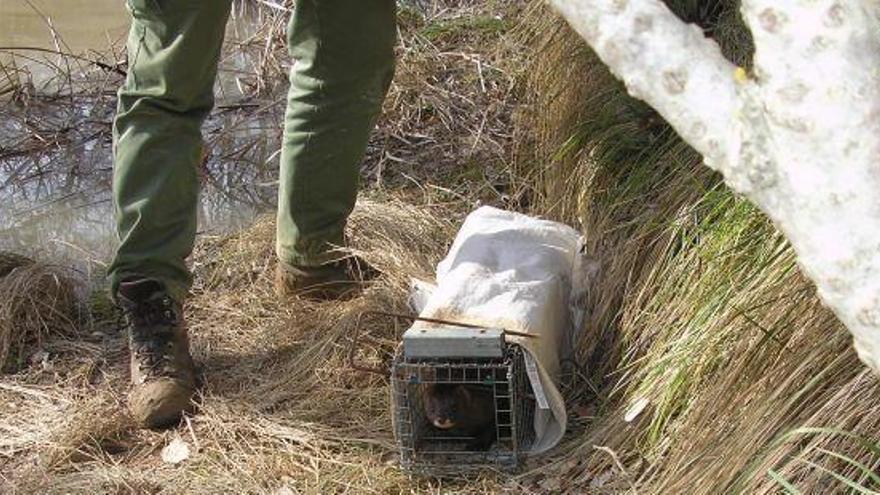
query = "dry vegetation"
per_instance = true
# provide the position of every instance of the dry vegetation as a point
(38, 302)
(700, 314)
(748, 385)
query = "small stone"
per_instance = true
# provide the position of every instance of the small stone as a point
(175, 452)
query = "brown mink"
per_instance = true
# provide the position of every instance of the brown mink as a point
(461, 410)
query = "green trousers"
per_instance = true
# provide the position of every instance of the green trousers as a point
(344, 61)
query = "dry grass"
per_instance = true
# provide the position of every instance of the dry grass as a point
(280, 406)
(36, 301)
(699, 312)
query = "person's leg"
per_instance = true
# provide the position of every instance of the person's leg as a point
(344, 61)
(173, 50)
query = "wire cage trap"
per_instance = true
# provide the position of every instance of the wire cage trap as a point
(482, 361)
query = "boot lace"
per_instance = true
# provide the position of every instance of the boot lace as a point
(151, 332)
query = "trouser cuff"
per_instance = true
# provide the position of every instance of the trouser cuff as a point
(178, 291)
(311, 254)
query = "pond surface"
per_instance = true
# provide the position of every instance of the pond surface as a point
(56, 194)
(81, 25)
(56, 147)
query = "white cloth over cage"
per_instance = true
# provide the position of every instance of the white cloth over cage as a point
(511, 271)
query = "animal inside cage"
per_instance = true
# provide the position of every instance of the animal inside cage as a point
(484, 377)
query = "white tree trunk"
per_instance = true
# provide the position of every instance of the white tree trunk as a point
(800, 138)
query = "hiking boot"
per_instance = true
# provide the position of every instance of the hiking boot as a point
(336, 280)
(162, 371)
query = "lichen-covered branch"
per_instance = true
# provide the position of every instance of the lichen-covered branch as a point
(800, 138)
(664, 62)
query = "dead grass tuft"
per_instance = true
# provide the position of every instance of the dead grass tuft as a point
(280, 407)
(36, 301)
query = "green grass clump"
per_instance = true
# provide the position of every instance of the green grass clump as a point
(699, 315)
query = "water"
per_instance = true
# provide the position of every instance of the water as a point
(55, 144)
(81, 24)
(56, 200)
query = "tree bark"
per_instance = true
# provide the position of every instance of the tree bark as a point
(800, 137)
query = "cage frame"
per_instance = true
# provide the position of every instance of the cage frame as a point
(514, 409)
